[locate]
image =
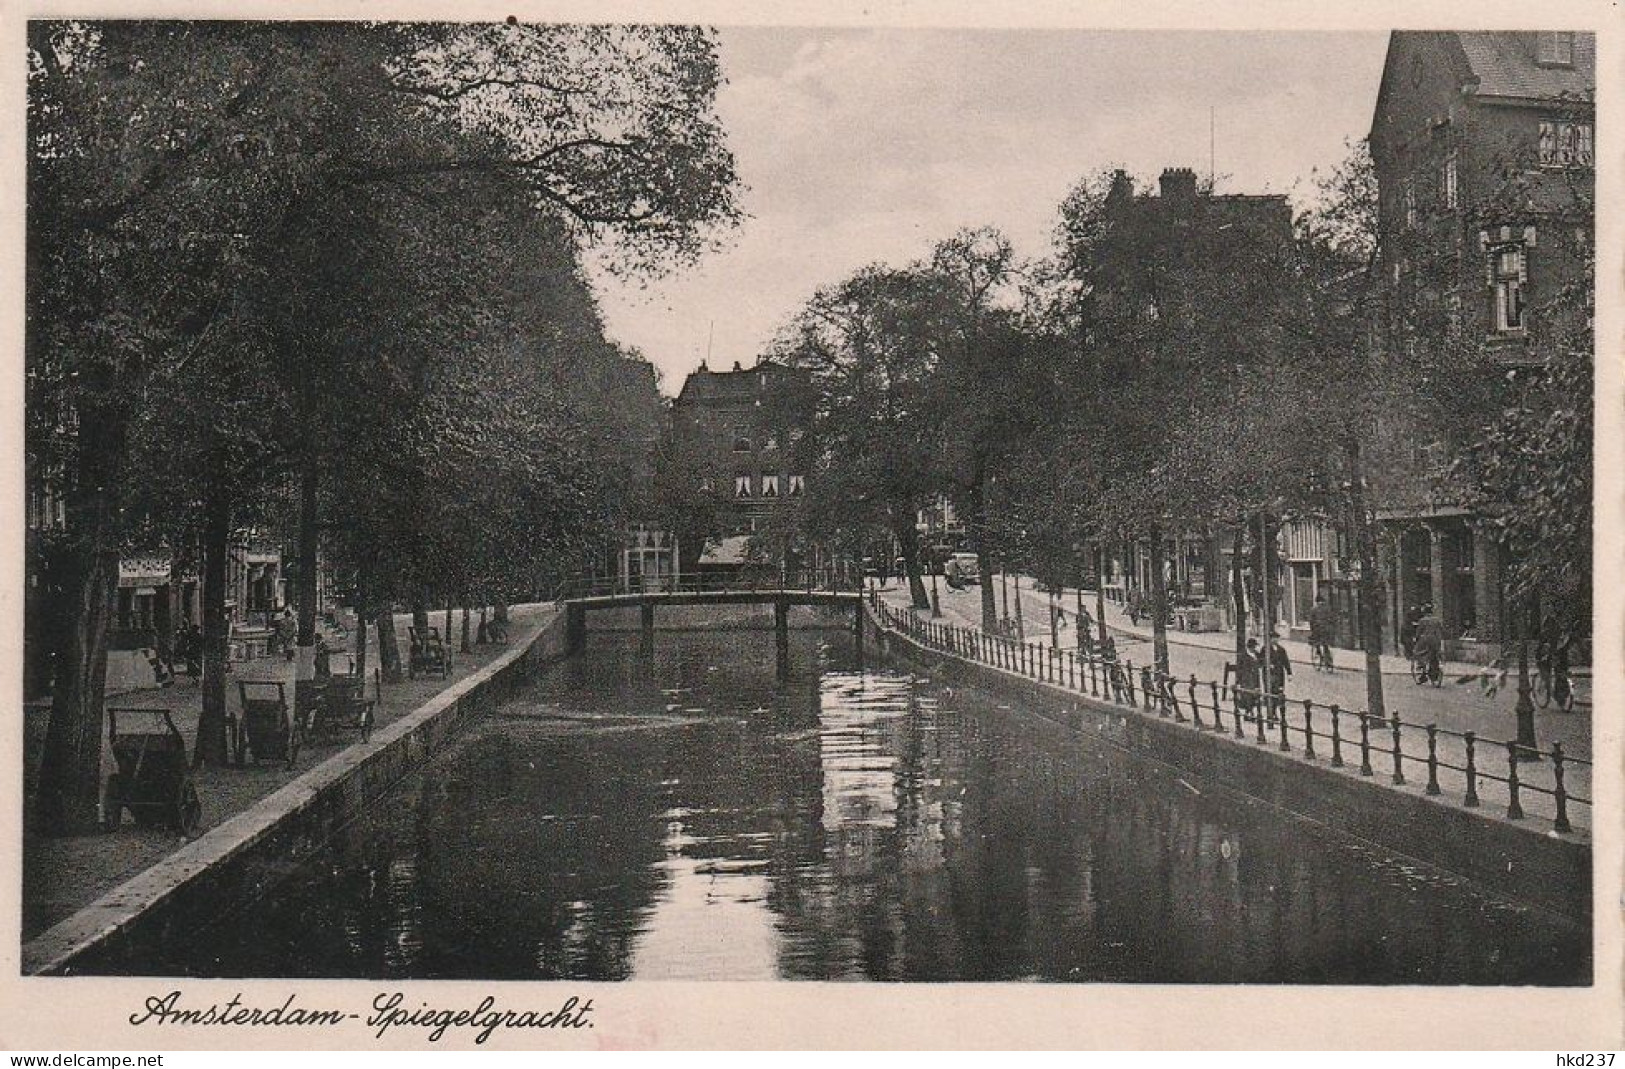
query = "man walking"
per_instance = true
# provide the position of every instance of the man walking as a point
(1321, 623)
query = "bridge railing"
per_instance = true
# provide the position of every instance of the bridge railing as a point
(821, 581)
(1471, 769)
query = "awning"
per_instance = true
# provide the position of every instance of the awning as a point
(726, 551)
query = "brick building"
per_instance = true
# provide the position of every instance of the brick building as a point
(1483, 146)
(726, 419)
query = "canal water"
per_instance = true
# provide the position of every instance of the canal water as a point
(688, 812)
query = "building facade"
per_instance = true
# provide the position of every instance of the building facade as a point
(728, 422)
(1483, 146)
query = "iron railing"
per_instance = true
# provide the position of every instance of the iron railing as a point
(1460, 764)
(810, 581)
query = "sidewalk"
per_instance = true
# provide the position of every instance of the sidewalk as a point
(1453, 707)
(62, 875)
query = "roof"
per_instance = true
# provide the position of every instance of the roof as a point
(740, 383)
(1503, 65)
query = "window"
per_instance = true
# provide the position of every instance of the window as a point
(1508, 277)
(770, 486)
(706, 486)
(797, 487)
(1554, 49)
(742, 487)
(1452, 307)
(741, 439)
(1565, 144)
(1409, 195)
(1451, 191)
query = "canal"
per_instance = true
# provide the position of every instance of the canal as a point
(685, 811)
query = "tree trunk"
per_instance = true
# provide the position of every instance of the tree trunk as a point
(360, 653)
(1238, 588)
(211, 747)
(389, 647)
(70, 769)
(1370, 608)
(420, 612)
(908, 540)
(1021, 623)
(976, 511)
(448, 620)
(1159, 603)
(304, 676)
(1100, 592)
(467, 647)
(482, 636)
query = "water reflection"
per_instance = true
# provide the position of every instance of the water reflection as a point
(681, 812)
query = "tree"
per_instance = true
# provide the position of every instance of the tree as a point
(873, 442)
(169, 159)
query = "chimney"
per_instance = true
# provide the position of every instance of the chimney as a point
(1179, 184)
(737, 366)
(1122, 188)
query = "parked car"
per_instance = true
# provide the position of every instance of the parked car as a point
(964, 568)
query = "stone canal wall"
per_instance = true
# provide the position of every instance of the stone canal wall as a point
(1516, 860)
(241, 858)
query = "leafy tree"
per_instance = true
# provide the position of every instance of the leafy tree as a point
(169, 162)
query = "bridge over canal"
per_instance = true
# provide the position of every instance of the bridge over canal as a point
(581, 597)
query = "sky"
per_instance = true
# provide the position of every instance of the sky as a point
(865, 146)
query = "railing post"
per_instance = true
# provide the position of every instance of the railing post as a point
(1560, 792)
(1235, 713)
(1128, 679)
(1262, 699)
(1196, 709)
(1071, 670)
(1399, 772)
(1514, 808)
(1433, 759)
(1150, 693)
(1286, 746)
(1309, 729)
(1337, 738)
(1365, 744)
(1471, 800)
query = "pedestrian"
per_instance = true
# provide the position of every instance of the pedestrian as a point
(1322, 620)
(1407, 632)
(194, 651)
(287, 632)
(1280, 666)
(1427, 644)
(1245, 671)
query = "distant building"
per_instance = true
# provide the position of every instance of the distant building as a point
(726, 420)
(1184, 224)
(1483, 145)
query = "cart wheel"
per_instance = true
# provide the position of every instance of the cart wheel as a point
(188, 810)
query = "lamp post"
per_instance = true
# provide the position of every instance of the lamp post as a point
(936, 603)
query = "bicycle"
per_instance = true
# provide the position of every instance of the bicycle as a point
(1553, 684)
(1321, 654)
(1425, 668)
(1552, 676)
